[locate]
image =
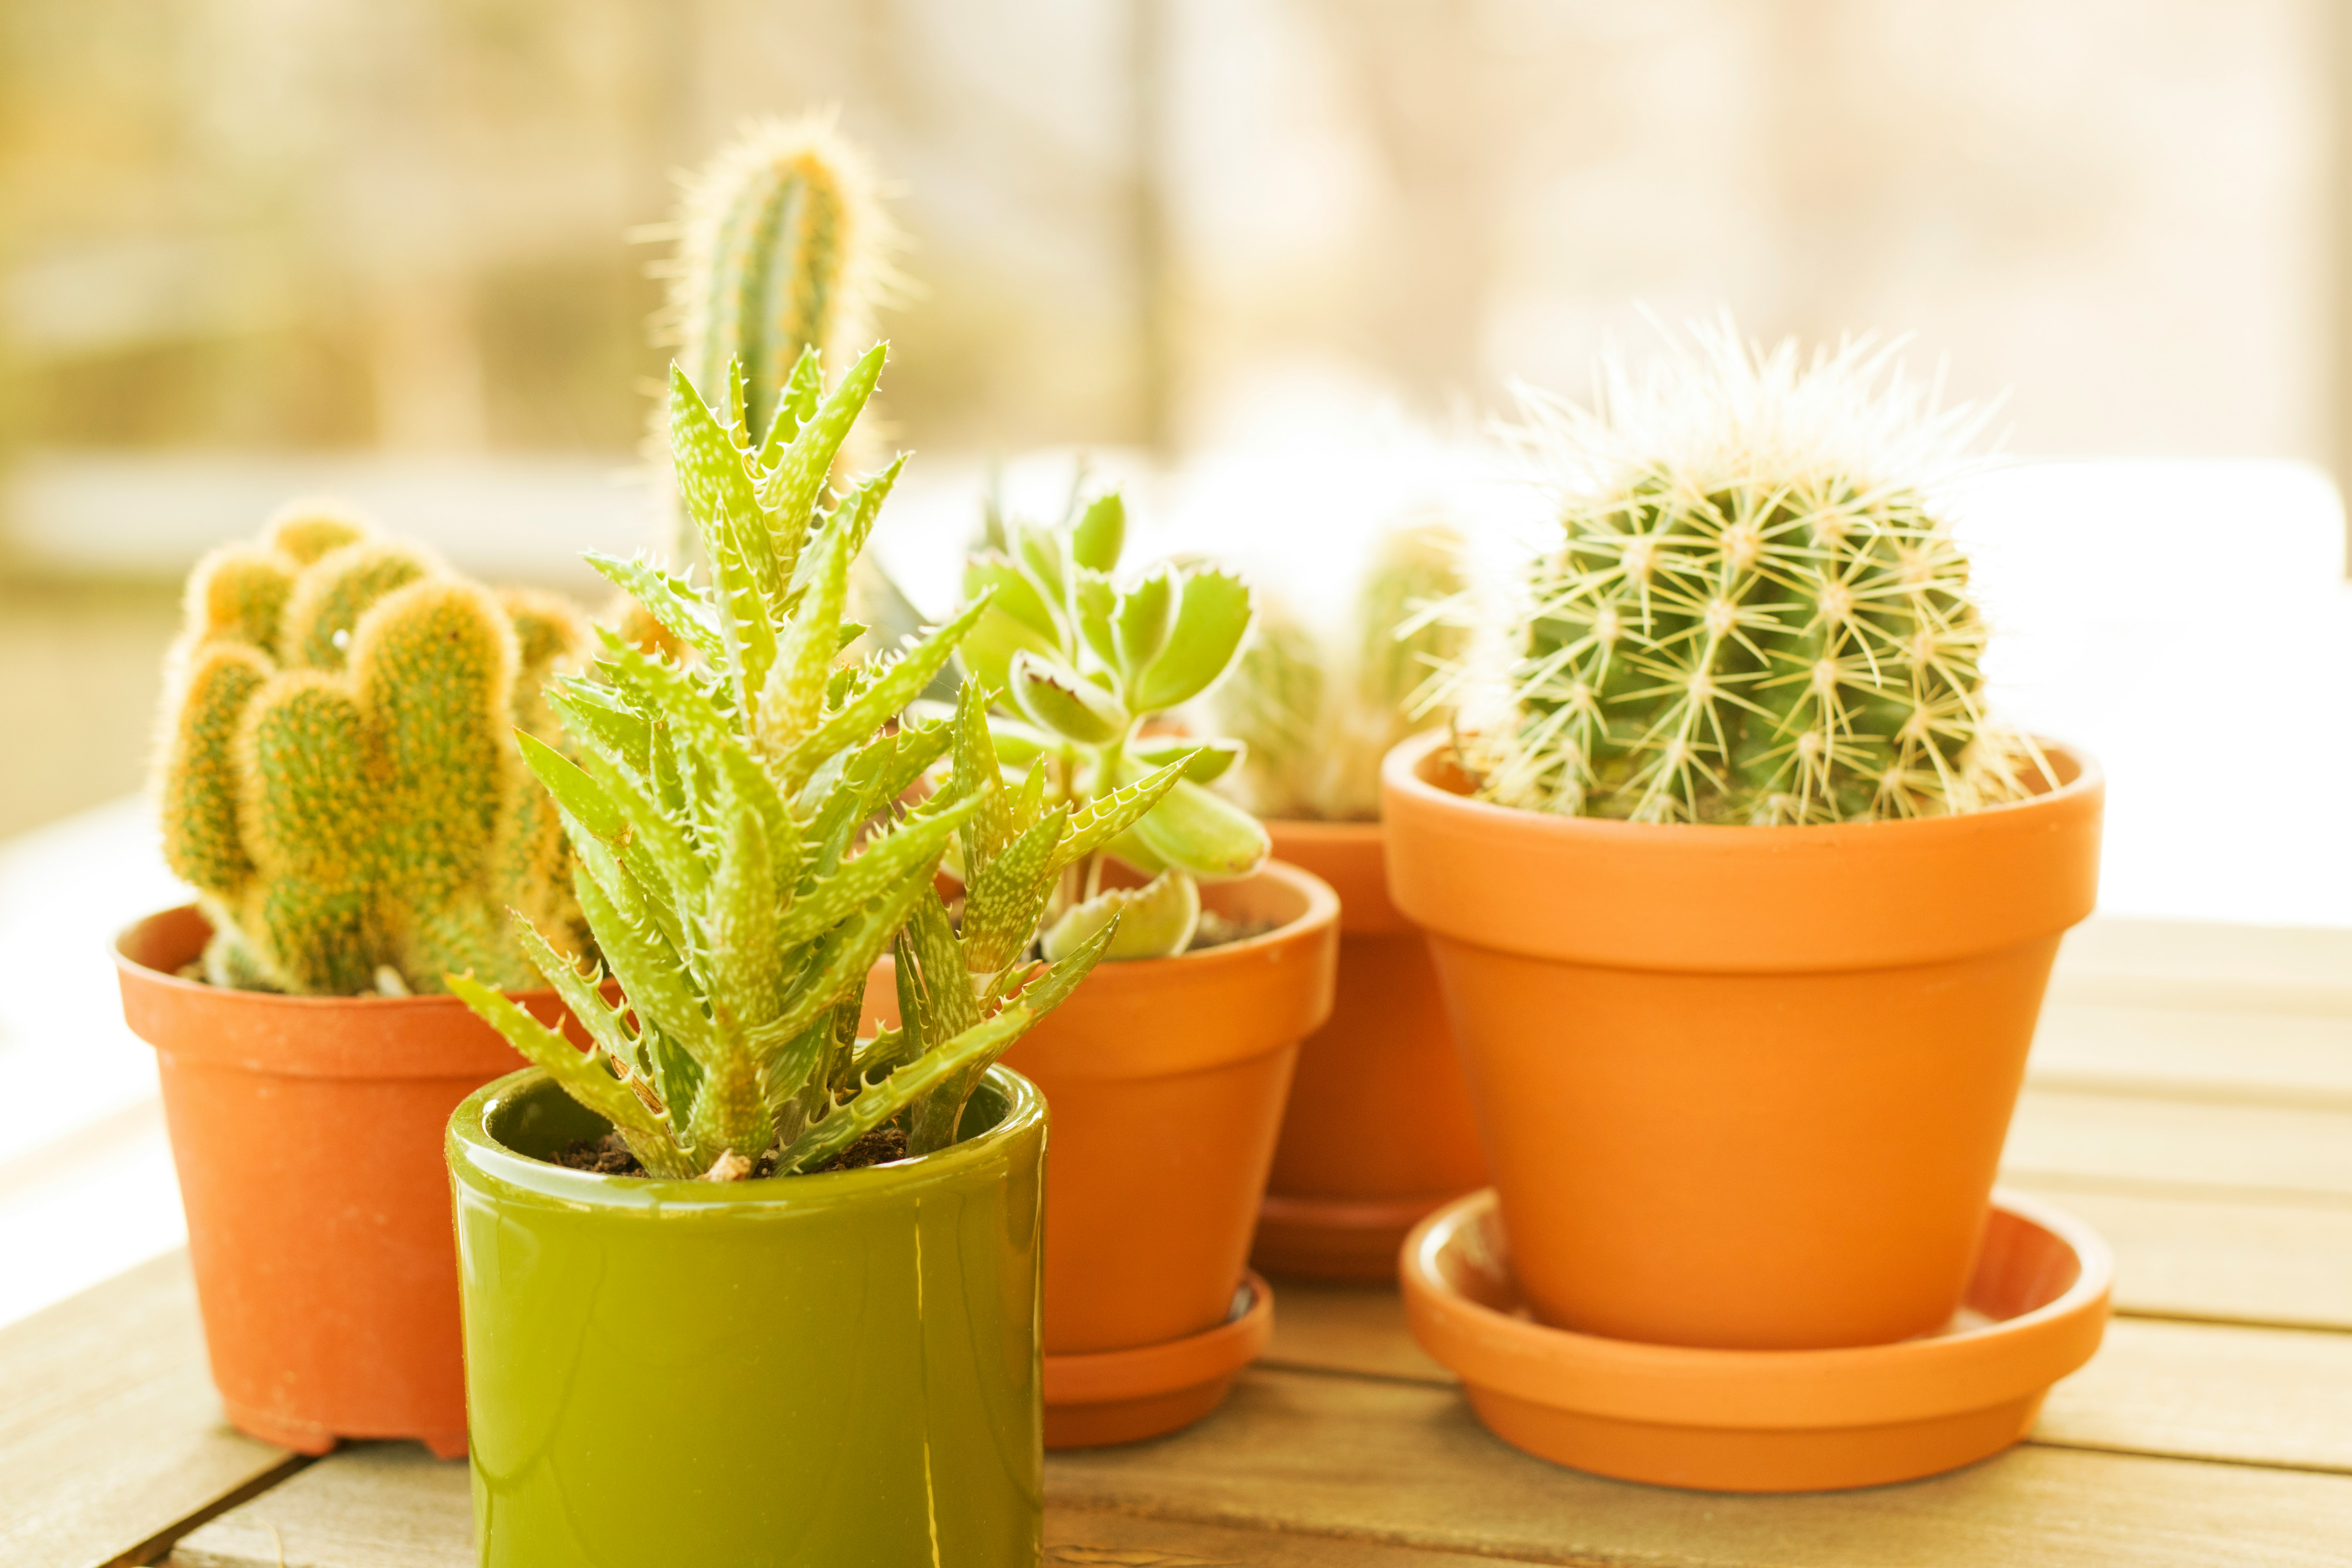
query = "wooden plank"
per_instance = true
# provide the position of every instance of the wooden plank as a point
(2201, 964)
(2264, 1396)
(2221, 1259)
(2280, 1059)
(370, 1505)
(2126, 1143)
(392, 1506)
(1406, 1464)
(112, 1440)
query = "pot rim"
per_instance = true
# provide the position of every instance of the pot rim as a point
(476, 1158)
(1401, 770)
(132, 969)
(1322, 909)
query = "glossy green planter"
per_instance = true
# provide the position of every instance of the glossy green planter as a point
(830, 1369)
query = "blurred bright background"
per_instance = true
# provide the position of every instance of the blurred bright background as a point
(1275, 262)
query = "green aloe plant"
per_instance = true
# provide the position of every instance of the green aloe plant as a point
(1082, 663)
(744, 851)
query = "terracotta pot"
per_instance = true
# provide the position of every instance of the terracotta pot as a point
(1380, 1130)
(1166, 1080)
(1742, 1087)
(829, 1369)
(306, 1133)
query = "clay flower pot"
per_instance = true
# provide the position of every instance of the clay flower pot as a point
(307, 1135)
(1380, 1130)
(1742, 1087)
(835, 1368)
(1167, 1079)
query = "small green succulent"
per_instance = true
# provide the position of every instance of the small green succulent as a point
(745, 849)
(1081, 663)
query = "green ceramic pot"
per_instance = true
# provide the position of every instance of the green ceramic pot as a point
(829, 1370)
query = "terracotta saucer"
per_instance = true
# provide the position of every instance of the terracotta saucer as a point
(1764, 1421)
(1124, 1396)
(1348, 1239)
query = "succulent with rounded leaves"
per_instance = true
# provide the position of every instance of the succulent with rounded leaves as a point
(1316, 713)
(744, 848)
(1082, 661)
(335, 766)
(1755, 613)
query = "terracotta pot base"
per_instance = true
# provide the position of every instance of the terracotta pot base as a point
(306, 1437)
(1124, 1396)
(1340, 1240)
(1764, 1421)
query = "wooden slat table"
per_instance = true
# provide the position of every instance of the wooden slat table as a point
(2191, 1096)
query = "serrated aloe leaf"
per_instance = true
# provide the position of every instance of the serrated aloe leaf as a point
(1049, 990)
(1155, 920)
(579, 994)
(888, 694)
(977, 773)
(581, 1077)
(792, 701)
(720, 497)
(670, 600)
(752, 787)
(747, 943)
(651, 972)
(594, 716)
(1204, 834)
(1211, 758)
(672, 692)
(1026, 802)
(887, 860)
(838, 969)
(1213, 615)
(1053, 695)
(576, 794)
(794, 404)
(789, 489)
(1106, 817)
(878, 1103)
(680, 874)
(1002, 904)
(942, 984)
(853, 521)
(1101, 533)
(1141, 624)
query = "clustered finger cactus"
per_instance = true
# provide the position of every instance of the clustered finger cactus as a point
(335, 769)
(1316, 714)
(1085, 664)
(744, 853)
(1755, 614)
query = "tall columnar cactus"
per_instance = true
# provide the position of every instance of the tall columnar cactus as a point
(745, 844)
(337, 774)
(1318, 713)
(1085, 664)
(1755, 614)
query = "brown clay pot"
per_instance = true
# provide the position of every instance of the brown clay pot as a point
(306, 1133)
(1380, 1130)
(1742, 1087)
(1164, 1081)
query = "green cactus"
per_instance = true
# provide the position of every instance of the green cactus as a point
(1316, 719)
(745, 851)
(336, 773)
(1084, 665)
(1755, 614)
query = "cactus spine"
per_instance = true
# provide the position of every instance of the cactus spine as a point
(1317, 714)
(1755, 615)
(337, 772)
